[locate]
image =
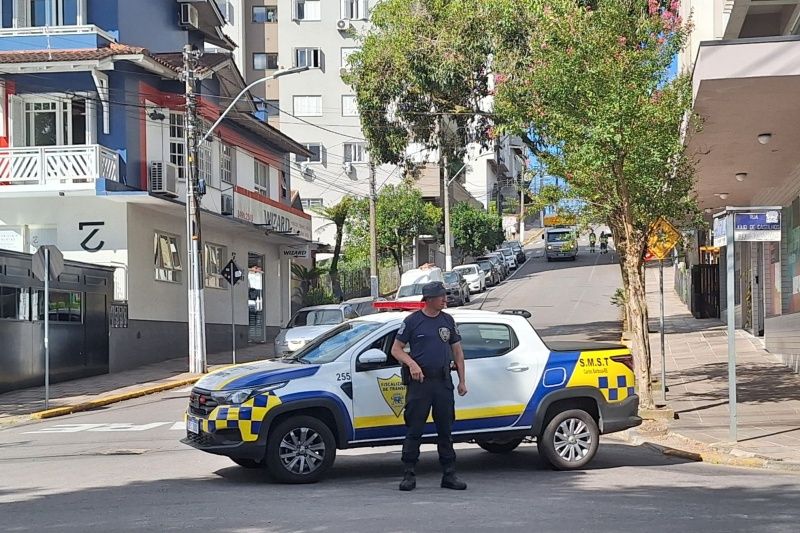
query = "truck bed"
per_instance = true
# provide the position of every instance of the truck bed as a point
(582, 346)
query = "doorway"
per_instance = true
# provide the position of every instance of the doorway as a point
(256, 332)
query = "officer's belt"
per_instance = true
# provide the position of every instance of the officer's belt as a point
(436, 372)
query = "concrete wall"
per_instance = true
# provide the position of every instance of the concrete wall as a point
(152, 24)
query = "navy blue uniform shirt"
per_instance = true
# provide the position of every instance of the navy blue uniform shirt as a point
(430, 338)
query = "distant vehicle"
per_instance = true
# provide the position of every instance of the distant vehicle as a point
(475, 276)
(560, 243)
(491, 271)
(457, 288)
(309, 323)
(363, 306)
(412, 281)
(500, 261)
(516, 247)
(510, 257)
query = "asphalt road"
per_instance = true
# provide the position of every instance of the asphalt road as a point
(122, 468)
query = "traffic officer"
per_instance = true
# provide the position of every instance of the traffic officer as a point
(432, 335)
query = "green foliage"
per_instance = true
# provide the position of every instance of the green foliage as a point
(474, 230)
(401, 215)
(619, 298)
(338, 215)
(318, 296)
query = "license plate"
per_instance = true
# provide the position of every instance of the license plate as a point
(192, 426)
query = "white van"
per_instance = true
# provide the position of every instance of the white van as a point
(412, 281)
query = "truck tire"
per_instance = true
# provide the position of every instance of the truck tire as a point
(300, 450)
(499, 447)
(247, 463)
(570, 440)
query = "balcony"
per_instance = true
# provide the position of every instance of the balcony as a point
(54, 38)
(56, 168)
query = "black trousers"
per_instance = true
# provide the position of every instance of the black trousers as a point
(435, 394)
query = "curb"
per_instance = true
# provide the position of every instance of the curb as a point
(106, 400)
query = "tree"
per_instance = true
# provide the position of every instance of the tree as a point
(337, 214)
(591, 80)
(401, 215)
(474, 230)
(307, 277)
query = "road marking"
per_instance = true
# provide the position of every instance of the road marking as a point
(185, 389)
(105, 428)
(178, 426)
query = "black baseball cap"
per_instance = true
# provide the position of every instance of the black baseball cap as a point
(432, 290)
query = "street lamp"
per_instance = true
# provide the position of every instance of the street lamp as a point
(196, 305)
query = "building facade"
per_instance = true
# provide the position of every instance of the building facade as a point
(93, 160)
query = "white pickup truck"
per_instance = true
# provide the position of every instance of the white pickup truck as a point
(344, 390)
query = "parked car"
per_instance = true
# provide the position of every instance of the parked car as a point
(510, 257)
(499, 261)
(309, 323)
(491, 270)
(364, 306)
(475, 276)
(516, 247)
(457, 288)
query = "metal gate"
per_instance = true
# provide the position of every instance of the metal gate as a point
(705, 291)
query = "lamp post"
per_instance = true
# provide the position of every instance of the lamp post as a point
(195, 297)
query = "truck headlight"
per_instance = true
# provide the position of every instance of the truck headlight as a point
(549, 247)
(239, 396)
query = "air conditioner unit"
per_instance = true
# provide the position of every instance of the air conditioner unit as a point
(227, 205)
(343, 71)
(343, 25)
(306, 171)
(348, 168)
(163, 178)
(189, 17)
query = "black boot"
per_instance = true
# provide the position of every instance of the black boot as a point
(451, 481)
(409, 479)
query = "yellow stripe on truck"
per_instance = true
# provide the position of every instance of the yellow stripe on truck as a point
(364, 422)
(596, 369)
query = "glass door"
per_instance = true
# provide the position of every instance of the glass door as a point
(255, 298)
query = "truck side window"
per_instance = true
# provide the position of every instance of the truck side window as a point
(486, 340)
(385, 344)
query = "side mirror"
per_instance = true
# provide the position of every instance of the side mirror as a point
(371, 359)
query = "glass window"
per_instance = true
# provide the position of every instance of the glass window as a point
(64, 306)
(316, 151)
(559, 236)
(354, 9)
(265, 14)
(307, 9)
(14, 303)
(204, 163)
(307, 106)
(273, 108)
(284, 185)
(264, 61)
(355, 153)
(331, 345)
(177, 143)
(226, 163)
(318, 317)
(308, 57)
(349, 105)
(167, 260)
(215, 258)
(486, 340)
(350, 313)
(261, 178)
(346, 52)
(311, 203)
(385, 345)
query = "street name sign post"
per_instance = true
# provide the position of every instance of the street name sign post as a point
(232, 275)
(47, 264)
(740, 224)
(663, 238)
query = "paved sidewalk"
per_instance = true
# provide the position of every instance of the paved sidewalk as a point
(19, 404)
(697, 375)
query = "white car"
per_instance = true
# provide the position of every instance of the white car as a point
(344, 390)
(475, 276)
(309, 323)
(510, 257)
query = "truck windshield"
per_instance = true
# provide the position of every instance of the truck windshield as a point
(561, 236)
(331, 345)
(410, 290)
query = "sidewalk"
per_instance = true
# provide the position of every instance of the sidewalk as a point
(697, 376)
(18, 405)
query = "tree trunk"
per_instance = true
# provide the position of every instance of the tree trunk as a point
(336, 285)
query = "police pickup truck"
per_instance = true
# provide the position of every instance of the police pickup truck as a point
(344, 390)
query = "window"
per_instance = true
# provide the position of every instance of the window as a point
(307, 106)
(284, 186)
(312, 203)
(54, 121)
(317, 317)
(385, 345)
(349, 313)
(226, 8)
(53, 12)
(204, 163)
(263, 61)
(349, 105)
(355, 153)
(273, 108)
(215, 258)
(308, 57)
(345, 55)
(261, 178)
(265, 14)
(329, 346)
(316, 151)
(354, 9)
(14, 303)
(307, 9)
(64, 306)
(167, 260)
(226, 163)
(486, 340)
(177, 143)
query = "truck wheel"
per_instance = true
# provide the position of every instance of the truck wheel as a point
(247, 463)
(570, 440)
(499, 447)
(300, 450)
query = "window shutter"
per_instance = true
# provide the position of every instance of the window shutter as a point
(16, 120)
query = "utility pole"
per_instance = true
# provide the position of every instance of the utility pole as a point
(448, 245)
(196, 306)
(522, 208)
(373, 233)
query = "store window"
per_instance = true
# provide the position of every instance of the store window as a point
(14, 303)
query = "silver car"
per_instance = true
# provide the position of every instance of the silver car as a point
(309, 323)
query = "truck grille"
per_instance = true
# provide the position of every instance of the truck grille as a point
(203, 439)
(201, 403)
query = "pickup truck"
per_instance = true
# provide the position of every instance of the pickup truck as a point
(344, 390)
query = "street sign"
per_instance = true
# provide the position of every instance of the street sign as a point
(40, 263)
(231, 273)
(762, 226)
(663, 238)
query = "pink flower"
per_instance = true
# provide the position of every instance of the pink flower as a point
(500, 79)
(675, 6)
(652, 7)
(622, 40)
